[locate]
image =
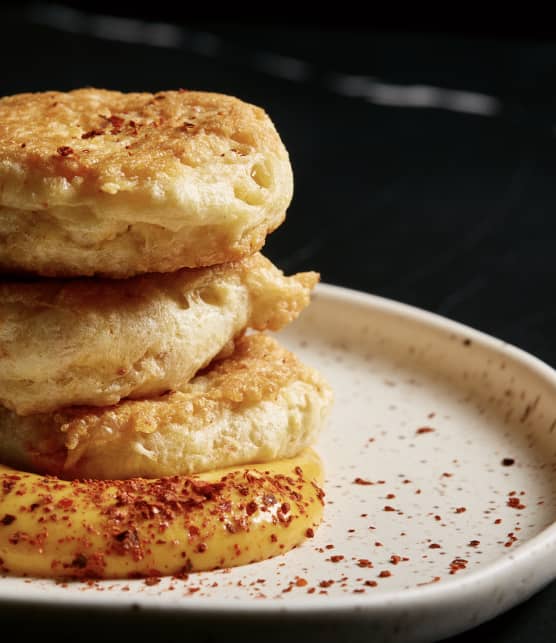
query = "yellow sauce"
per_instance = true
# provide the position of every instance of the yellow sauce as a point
(168, 526)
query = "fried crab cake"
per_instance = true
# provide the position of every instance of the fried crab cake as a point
(94, 341)
(258, 405)
(97, 182)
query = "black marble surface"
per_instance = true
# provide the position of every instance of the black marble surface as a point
(448, 206)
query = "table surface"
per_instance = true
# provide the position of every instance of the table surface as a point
(423, 162)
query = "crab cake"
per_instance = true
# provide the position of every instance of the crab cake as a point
(97, 182)
(258, 405)
(93, 341)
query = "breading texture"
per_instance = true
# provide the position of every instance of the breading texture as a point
(97, 182)
(258, 405)
(95, 341)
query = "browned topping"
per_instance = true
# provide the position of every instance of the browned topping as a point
(385, 574)
(460, 510)
(92, 133)
(310, 533)
(474, 543)
(424, 429)
(64, 150)
(7, 520)
(507, 462)
(371, 583)
(435, 546)
(363, 562)
(389, 508)
(336, 559)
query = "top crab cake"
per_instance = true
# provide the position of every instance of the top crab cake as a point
(102, 182)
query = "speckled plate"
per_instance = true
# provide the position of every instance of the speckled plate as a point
(440, 457)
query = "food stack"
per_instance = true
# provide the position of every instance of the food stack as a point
(133, 362)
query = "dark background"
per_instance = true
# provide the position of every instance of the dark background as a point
(447, 206)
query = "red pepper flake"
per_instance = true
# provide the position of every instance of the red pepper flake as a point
(430, 582)
(473, 543)
(515, 503)
(201, 548)
(250, 508)
(152, 580)
(378, 544)
(457, 564)
(80, 561)
(394, 559)
(390, 496)
(300, 582)
(425, 429)
(273, 538)
(389, 508)
(64, 150)
(460, 510)
(447, 475)
(498, 521)
(310, 533)
(359, 590)
(435, 546)
(7, 519)
(311, 590)
(371, 583)
(512, 538)
(330, 546)
(326, 583)
(336, 558)
(385, 574)
(362, 481)
(299, 471)
(507, 462)
(437, 517)
(364, 562)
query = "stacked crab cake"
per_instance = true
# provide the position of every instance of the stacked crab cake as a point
(134, 301)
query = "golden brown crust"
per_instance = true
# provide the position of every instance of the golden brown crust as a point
(95, 341)
(259, 404)
(119, 184)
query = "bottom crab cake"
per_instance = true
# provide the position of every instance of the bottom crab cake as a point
(260, 404)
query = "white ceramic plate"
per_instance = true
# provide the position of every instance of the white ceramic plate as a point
(455, 430)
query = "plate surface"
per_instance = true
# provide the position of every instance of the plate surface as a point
(441, 496)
